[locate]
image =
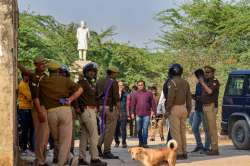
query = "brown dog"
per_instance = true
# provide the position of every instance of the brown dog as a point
(156, 157)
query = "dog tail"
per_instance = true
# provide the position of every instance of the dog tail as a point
(172, 144)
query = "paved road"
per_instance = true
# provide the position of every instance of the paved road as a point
(229, 156)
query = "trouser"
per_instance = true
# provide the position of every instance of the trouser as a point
(110, 120)
(210, 120)
(168, 136)
(60, 123)
(121, 130)
(41, 136)
(198, 118)
(27, 129)
(73, 131)
(131, 127)
(89, 133)
(156, 124)
(142, 129)
(177, 120)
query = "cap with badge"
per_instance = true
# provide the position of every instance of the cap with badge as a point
(54, 65)
(40, 59)
(113, 69)
(209, 68)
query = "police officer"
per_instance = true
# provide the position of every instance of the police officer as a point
(39, 115)
(56, 93)
(108, 100)
(178, 107)
(209, 99)
(88, 114)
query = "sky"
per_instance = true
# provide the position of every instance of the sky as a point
(133, 19)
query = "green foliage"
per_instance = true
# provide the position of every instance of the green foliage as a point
(44, 35)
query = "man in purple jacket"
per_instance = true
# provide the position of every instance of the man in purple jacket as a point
(143, 104)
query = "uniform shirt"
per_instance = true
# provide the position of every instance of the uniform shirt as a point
(178, 93)
(55, 87)
(88, 97)
(143, 102)
(211, 98)
(113, 95)
(34, 83)
(24, 96)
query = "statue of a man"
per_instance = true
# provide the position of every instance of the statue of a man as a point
(83, 36)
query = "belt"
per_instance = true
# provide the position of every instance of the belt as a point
(58, 108)
(207, 104)
(89, 107)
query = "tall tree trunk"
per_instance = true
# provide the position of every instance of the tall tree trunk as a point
(8, 56)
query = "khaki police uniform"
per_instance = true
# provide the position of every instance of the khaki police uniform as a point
(111, 112)
(179, 105)
(89, 132)
(51, 90)
(41, 129)
(209, 102)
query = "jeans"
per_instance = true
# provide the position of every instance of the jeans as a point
(142, 129)
(27, 129)
(198, 117)
(121, 129)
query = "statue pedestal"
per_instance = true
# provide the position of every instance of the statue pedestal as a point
(76, 69)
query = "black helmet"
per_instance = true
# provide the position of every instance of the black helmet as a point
(64, 70)
(175, 70)
(90, 66)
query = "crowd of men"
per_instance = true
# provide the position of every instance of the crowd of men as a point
(105, 107)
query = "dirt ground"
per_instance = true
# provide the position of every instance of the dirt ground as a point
(229, 156)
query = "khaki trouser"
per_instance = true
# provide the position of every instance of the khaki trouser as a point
(88, 132)
(156, 124)
(41, 137)
(210, 120)
(107, 136)
(177, 120)
(60, 123)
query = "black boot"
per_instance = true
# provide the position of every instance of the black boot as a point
(97, 162)
(82, 162)
(109, 155)
(100, 151)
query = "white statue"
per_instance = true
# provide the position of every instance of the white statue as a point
(83, 36)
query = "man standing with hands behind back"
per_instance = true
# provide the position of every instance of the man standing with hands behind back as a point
(209, 98)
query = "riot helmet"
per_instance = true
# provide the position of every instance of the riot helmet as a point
(88, 67)
(175, 70)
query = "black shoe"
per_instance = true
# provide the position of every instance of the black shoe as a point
(43, 165)
(55, 160)
(162, 138)
(124, 145)
(213, 153)
(145, 146)
(82, 162)
(181, 157)
(109, 155)
(140, 144)
(97, 162)
(117, 145)
(196, 149)
(99, 148)
(185, 156)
